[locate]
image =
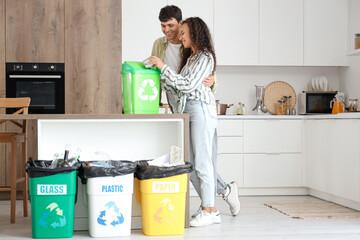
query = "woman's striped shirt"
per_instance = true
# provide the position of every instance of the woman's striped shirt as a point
(188, 84)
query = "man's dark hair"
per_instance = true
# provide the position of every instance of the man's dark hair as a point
(170, 11)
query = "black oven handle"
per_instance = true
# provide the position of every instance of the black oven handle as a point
(34, 76)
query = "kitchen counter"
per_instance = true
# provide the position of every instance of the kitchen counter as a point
(93, 116)
(355, 115)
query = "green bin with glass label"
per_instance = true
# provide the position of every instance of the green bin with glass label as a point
(52, 204)
(141, 88)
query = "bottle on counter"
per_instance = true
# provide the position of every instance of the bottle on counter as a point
(357, 41)
(243, 109)
(281, 108)
(239, 109)
(287, 105)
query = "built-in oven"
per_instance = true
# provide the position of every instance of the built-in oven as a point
(44, 83)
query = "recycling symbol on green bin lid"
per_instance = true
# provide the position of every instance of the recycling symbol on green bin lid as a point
(148, 91)
(53, 217)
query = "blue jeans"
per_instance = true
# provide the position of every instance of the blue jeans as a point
(203, 122)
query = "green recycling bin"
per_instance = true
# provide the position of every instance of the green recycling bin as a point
(141, 88)
(52, 197)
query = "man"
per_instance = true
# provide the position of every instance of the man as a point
(168, 49)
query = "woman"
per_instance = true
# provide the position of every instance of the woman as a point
(197, 62)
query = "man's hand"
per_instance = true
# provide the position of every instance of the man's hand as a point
(209, 81)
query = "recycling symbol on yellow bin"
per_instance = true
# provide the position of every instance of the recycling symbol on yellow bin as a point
(148, 91)
(166, 213)
(53, 217)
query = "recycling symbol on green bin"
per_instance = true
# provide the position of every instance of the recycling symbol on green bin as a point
(111, 215)
(52, 217)
(148, 91)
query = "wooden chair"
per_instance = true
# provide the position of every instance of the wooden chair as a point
(22, 104)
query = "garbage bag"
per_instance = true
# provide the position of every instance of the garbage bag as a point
(41, 168)
(118, 168)
(145, 171)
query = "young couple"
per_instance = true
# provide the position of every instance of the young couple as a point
(187, 62)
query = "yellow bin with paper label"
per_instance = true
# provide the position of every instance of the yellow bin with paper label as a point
(163, 205)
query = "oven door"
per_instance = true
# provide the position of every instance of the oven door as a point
(47, 91)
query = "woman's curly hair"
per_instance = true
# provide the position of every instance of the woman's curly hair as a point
(200, 37)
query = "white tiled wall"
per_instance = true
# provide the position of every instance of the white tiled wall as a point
(237, 83)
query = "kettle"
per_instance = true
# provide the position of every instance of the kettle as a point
(337, 104)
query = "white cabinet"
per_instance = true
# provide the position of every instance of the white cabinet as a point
(325, 32)
(240, 45)
(273, 136)
(230, 151)
(249, 32)
(316, 154)
(273, 153)
(261, 153)
(140, 28)
(199, 8)
(281, 32)
(333, 157)
(272, 170)
(230, 145)
(231, 168)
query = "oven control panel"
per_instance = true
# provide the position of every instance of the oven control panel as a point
(32, 67)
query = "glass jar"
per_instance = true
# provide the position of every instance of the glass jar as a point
(281, 108)
(287, 104)
(357, 41)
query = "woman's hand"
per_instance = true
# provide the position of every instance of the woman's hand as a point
(157, 62)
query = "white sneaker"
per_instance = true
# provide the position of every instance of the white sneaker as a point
(197, 212)
(202, 219)
(216, 217)
(233, 198)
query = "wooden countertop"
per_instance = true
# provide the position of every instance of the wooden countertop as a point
(93, 116)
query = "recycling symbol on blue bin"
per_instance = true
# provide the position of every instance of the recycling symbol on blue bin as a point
(110, 215)
(54, 215)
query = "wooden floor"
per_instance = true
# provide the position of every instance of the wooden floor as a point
(255, 221)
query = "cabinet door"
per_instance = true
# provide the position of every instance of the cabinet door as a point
(93, 56)
(325, 32)
(230, 128)
(317, 140)
(34, 31)
(140, 28)
(344, 158)
(240, 45)
(199, 8)
(230, 144)
(272, 136)
(281, 32)
(272, 170)
(231, 168)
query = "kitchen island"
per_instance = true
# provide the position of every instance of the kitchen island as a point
(119, 137)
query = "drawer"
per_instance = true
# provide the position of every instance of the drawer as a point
(273, 170)
(231, 168)
(230, 128)
(230, 144)
(273, 136)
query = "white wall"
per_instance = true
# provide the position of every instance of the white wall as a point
(350, 76)
(237, 83)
